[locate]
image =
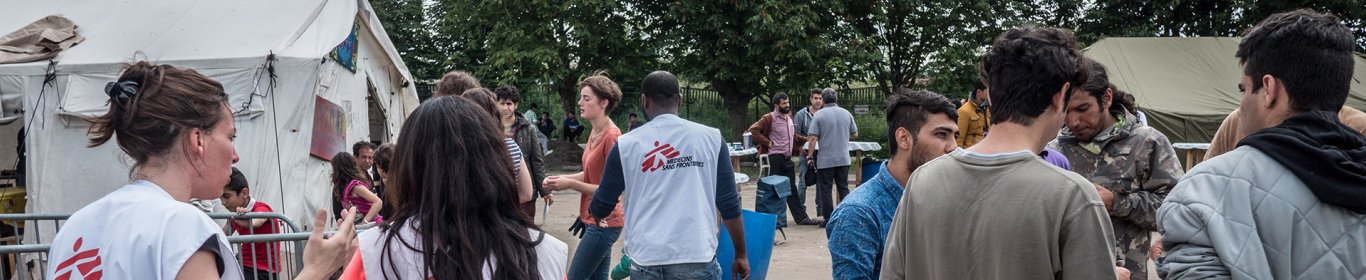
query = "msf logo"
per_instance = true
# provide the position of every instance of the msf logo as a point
(89, 263)
(654, 160)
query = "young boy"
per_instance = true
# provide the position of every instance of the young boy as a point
(259, 260)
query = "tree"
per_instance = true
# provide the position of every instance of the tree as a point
(745, 49)
(406, 23)
(544, 42)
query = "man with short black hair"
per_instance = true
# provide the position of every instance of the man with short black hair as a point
(572, 128)
(259, 260)
(973, 122)
(633, 124)
(806, 172)
(530, 114)
(921, 127)
(996, 210)
(1290, 201)
(677, 179)
(775, 136)
(365, 155)
(522, 132)
(830, 129)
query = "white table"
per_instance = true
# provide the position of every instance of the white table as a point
(1192, 150)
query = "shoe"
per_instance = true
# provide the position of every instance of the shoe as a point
(809, 222)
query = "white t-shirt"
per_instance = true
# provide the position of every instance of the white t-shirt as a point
(552, 256)
(136, 232)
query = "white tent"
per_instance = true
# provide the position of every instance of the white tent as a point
(273, 58)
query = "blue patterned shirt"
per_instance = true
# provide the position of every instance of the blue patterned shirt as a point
(858, 228)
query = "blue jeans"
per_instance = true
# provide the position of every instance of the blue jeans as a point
(706, 270)
(593, 258)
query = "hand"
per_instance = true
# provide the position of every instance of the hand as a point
(241, 210)
(810, 162)
(549, 199)
(556, 183)
(740, 268)
(323, 256)
(1121, 273)
(1155, 251)
(1106, 196)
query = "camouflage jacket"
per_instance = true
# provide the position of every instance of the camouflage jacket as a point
(1136, 163)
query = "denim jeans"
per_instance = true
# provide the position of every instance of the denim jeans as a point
(593, 258)
(706, 270)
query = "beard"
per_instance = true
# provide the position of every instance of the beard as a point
(919, 156)
(784, 110)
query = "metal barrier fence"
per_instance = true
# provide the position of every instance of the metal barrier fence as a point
(23, 254)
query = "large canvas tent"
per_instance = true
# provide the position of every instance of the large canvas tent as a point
(1186, 86)
(274, 58)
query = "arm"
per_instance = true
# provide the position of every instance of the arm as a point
(536, 161)
(963, 126)
(759, 131)
(1193, 225)
(375, 203)
(728, 203)
(524, 190)
(853, 128)
(853, 242)
(609, 190)
(323, 256)
(200, 266)
(1088, 244)
(1140, 207)
(249, 223)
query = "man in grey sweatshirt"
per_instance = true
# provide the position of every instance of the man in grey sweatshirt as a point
(996, 210)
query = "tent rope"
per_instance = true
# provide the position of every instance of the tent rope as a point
(275, 130)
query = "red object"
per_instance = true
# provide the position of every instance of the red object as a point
(263, 255)
(329, 129)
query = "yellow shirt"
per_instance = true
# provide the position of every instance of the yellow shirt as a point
(973, 124)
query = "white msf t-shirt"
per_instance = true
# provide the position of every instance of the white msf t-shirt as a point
(136, 232)
(552, 256)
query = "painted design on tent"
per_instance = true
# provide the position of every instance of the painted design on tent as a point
(329, 129)
(345, 53)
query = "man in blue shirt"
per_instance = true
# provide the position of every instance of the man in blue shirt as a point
(923, 127)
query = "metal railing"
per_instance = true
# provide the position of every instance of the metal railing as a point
(23, 254)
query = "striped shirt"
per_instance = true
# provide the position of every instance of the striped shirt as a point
(516, 152)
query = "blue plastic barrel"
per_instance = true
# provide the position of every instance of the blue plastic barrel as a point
(759, 228)
(870, 168)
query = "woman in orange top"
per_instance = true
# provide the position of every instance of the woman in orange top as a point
(592, 260)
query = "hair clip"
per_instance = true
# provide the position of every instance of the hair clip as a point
(121, 92)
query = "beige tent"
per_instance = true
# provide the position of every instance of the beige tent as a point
(1187, 86)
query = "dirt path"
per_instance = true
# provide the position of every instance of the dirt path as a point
(803, 256)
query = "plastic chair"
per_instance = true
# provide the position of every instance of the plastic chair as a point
(764, 168)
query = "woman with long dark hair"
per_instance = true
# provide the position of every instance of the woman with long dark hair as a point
(456, 215)
(350, 187)
(176, 125)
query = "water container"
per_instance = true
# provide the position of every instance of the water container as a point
(749, 140)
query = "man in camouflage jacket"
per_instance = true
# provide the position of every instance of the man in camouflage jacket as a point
(1133, 167)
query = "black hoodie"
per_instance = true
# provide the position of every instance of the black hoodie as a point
(1328, 156)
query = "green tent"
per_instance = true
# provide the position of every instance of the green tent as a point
(1186, 86)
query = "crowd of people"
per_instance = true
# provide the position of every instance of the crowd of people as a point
(1047, 171)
